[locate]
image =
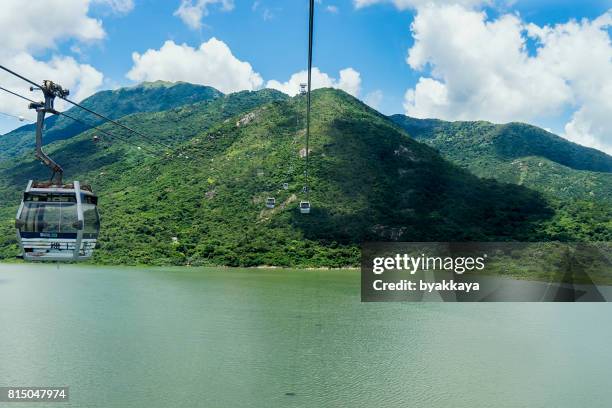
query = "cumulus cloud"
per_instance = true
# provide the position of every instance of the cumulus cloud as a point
(24, 37)
(412, 4)
(581, 54)
(479, 68)
(191, 12)
(211, 64)
(118, 6)
(81, 79)
(349, 81)
(35, 26)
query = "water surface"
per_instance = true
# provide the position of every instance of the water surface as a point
(186, 337)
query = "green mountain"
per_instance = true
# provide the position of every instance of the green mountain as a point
(520, 154)
(203, 202)
(146, 97)
(576, 180)
(369, 181)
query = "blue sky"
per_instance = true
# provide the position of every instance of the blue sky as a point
(371, 37)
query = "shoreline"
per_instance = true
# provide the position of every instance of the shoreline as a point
(259, 267)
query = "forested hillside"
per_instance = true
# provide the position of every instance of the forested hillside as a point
(520, 154)
(576, 180)
(203, 201)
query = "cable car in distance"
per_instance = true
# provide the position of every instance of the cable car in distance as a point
(57, 222)
(270, 202)
(305, 207)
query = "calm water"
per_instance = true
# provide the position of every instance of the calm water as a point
(134, 337)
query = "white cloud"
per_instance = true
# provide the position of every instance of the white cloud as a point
(118, 6)
(332, 9)
(81, 79)
(29, 28)
(191, 12)
(349, 81)
(211, 64)
(483, 69)
(581, 54)
(374, 99)
(36, 26)
(413, 4)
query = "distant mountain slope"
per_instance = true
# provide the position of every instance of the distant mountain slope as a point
(369, 181)
(519, 153)
(146, 97)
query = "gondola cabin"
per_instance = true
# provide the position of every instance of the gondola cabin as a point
(57, 222)
(305, 207)
(270, 202)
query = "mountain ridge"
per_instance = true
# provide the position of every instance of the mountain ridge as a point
(518, 153)
(575, 156)
(370, 180)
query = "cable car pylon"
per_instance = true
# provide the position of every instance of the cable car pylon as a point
(50, 91)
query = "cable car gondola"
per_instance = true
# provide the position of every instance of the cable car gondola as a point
(305, 207)
(270, 202)
(56, 221)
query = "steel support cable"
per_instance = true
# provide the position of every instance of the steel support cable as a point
(19, 76)
(88, 125)
(82, 107)
(154, 141)
(21, 119)
(142, 135)
(117, 123)
(150, 139)
(103, 117)
(114, 136)
(308, 96)
(17, 95)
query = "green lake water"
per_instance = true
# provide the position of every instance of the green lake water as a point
(187, 337)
